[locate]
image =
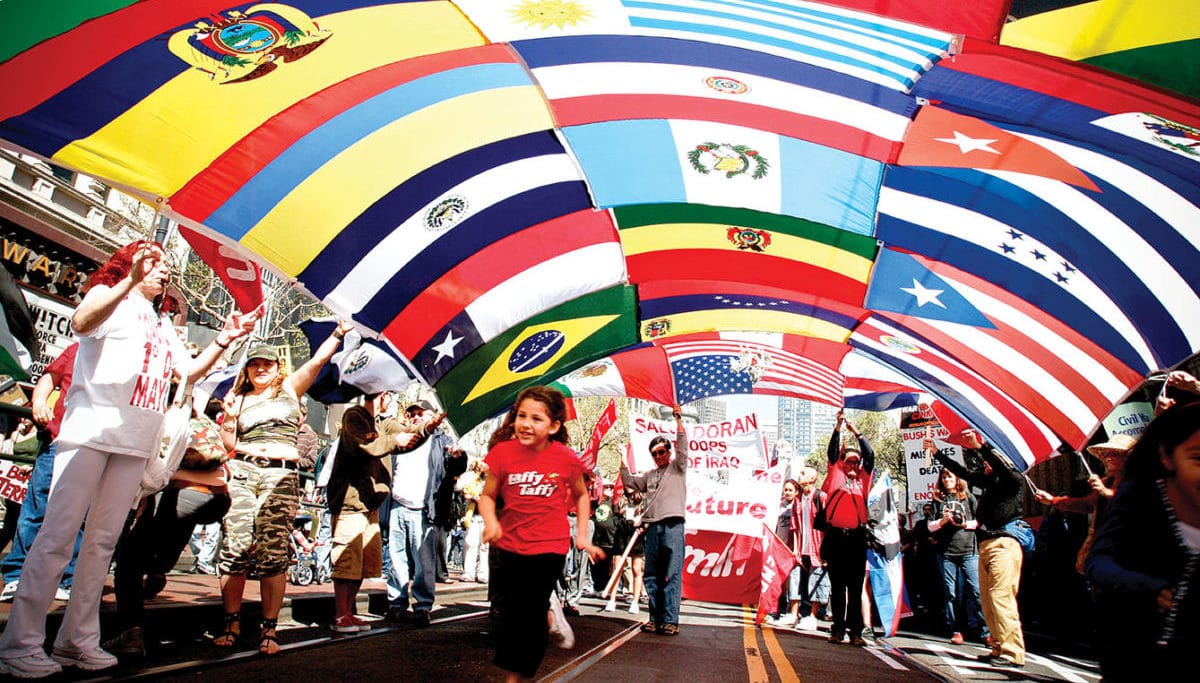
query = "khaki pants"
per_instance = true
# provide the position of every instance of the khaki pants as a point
(999, 578)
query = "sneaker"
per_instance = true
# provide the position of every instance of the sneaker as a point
(650, 627)
(786, 621)
(94, 659)
(867, 633)
(345, 624)
(560, 629)
(957, 638)
(420, 618)
(858, 641)
(131, 643)
(634, 608)
(837, 637)
(1003, 662)
(63, 593)
(36, 665)
(808, 623)
(208, 569)
(9, 592)
(669, 629)
(363, 625)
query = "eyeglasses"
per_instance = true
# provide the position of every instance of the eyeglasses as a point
(853, 462)
(661, 451)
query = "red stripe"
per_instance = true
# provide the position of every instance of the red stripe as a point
(1122, 372)
(645, 374)
(1002, 403)
(574, 111)
(1071, 81)
(978, 18)
(427, 314)
(48, 68)
(212, 187)
(771, 271)
(1009, 383)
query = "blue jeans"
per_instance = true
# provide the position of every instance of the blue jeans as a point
(412, 547)
(664, 569)
(33, 511)
(960, 577)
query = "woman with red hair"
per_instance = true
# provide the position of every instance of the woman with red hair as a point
(113, 423)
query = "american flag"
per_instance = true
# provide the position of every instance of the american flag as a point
(718, 367)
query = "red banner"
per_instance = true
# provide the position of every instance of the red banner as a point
(777, 562)
(592, 451)
(714, 570)
(241, 276)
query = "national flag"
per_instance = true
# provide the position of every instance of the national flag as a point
(979, 19)
(777, 563)
(1057, 374)
(1154, 41)
(360, 366)
(692, 241)
(640, 373)
(1009, 426)
(1115, 266)
(873, 386)
(136, 79)
(884, 559)
(590, 79)
(671, 308)
(712, 365)
(18, 335)
(699, 162)
(859, 44)
(605, 422)
(939, 137)
(542, 348)
(241, 276)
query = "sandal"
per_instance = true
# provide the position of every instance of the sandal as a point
(231, 632)
(267, 644)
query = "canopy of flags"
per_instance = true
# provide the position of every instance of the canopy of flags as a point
(850, 201)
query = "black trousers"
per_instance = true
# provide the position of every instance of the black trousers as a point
(521, 598)
(845, 555)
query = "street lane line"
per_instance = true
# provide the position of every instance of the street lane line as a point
(755, 668)
(779, 658)
(587, 660)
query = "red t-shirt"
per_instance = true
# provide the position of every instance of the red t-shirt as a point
(61, 369)
(535, 488)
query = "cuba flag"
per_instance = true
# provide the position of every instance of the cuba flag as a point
(884, 559)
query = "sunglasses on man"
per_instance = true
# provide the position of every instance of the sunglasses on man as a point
(661, 450)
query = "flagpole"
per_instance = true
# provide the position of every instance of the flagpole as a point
(615, 572)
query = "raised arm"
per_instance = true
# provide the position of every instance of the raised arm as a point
(304, 376)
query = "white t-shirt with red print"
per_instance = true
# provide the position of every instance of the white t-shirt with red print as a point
(535, 487)
(122, 381)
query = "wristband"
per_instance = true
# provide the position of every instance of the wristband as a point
(339, 335)
(221, 346)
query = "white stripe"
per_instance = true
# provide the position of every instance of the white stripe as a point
(1096, 373)
(589, 381)
(545, 286)
(966, 391)
(980, 229)
(410, 237)
(639, 78)
(907, 63)
(1151, 267)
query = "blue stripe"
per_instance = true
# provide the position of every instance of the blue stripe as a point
(545, 52)
(1008, 105)
(628, 162)
(901, 74)
(936, 386)
(692, 303)
(829, 186)
(358, 238)
(1031, 215)
(254, 200)
(486, 227)
(1021, 282)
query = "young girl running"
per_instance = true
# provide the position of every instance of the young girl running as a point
(533, 471)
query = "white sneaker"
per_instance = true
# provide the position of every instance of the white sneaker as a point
(36, 665)
(808, 623)
(94, 659)
(634, 609)
(560, 629)
(62, 593)
(9, 592)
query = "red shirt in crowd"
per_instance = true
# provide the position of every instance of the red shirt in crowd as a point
(532, 500)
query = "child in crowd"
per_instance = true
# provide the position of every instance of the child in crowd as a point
(533, 470)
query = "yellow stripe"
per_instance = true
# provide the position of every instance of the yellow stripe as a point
(363, 173)
(651, 238)
(755, 669)
(1105, 26)
(180, 128)
(779, 658)
(761, 321)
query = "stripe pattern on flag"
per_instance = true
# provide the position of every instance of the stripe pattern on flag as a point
(711, 366)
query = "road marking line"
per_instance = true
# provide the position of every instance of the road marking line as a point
(948, 661)
(786, 673)
(1066, 673)
(883, 655)
(585, 661)
(755, 668)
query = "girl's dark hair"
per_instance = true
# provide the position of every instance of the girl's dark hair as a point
(793, 482)
(1163, 435)
(556, 405)
(117, 266)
